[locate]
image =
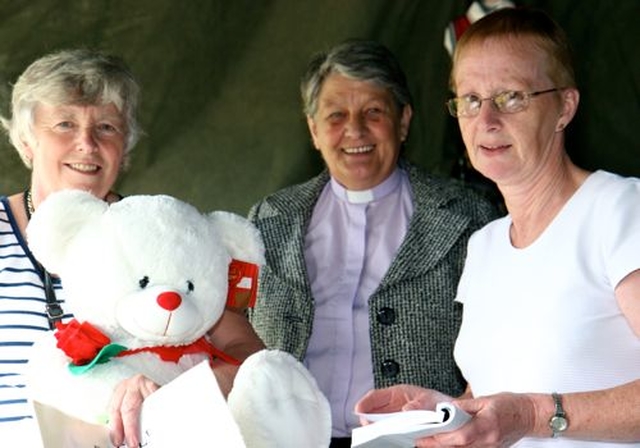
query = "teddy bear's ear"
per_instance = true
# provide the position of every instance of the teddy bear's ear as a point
(57, 220)
(241, 238)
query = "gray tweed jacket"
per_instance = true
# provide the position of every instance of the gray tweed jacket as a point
(414, 320)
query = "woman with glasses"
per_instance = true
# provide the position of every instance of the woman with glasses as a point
(550, 337)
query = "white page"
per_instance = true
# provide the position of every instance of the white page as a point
(189, 411)
(58, 430)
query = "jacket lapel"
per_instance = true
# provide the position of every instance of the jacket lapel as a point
(434, 228)
(285, 224)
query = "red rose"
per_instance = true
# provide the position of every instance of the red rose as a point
(80, 341)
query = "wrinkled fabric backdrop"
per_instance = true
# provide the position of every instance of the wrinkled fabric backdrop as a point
(220, 103)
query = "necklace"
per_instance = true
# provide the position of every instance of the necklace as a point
(54, 310)
(28, 203)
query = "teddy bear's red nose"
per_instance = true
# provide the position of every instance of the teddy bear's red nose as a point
(169, 300)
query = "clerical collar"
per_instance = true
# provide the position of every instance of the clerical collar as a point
(365, 196)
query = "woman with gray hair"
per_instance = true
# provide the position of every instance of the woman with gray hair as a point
(364, 259)
(74, 125)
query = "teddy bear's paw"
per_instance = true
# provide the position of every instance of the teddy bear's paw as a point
(277, 404)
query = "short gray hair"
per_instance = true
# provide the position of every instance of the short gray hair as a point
(72, 77)
(363, 60)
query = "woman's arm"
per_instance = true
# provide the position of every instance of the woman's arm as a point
(234, 335)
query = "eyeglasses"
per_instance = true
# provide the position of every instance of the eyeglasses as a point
(508, 102)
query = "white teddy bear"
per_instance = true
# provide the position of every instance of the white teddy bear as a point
(146, 278)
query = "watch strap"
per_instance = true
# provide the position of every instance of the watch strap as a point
(559, 421)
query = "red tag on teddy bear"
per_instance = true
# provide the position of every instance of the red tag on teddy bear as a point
(243, 284)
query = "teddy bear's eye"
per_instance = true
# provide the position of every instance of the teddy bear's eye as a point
(190, 286)
(144, 281)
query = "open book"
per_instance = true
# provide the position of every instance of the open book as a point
(189, 411)
(401, 429)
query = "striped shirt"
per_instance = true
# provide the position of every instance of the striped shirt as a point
(22, 316)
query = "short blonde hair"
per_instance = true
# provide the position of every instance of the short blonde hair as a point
(523, 23)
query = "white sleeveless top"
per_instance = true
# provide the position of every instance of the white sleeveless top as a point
(544, 318)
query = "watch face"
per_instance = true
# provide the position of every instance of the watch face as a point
(558, 423)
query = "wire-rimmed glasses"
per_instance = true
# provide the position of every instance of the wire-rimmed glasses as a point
(507, 102)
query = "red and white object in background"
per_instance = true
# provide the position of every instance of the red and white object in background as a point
(476, 11)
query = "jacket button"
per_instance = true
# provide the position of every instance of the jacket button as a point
(390, 368)
(386, 316)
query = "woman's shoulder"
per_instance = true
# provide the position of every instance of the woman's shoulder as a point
(604, 187)
(608, 179)
(460, 197)
(294, 198)
(8, 225)
(6, 216)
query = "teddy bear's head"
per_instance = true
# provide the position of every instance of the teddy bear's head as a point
(146, 270)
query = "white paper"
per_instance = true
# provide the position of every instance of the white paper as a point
(189, 411)
(401, 429)
(58, 430)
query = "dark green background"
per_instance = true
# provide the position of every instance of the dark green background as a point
(220, 102)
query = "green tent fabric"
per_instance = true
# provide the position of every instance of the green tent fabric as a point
(220, 103)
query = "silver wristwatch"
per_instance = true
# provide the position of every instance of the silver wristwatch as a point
(559, 421)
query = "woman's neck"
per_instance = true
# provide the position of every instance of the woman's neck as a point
(532, 207)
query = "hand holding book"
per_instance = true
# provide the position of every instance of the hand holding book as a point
(398, 415)
(401, 429)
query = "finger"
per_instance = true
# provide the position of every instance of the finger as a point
(116, 430)
(414, 405)
(469, 405)
(130, 414)
(430, 442)
(131, 407)
(373, 401)
(126, 404)
(364, 421)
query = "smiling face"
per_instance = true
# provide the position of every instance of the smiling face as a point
(78, 147)
(509, 148)
(359, 130)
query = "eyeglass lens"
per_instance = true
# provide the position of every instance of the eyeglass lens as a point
(507, 102)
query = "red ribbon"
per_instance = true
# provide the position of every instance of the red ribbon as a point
(82, 342)
(174, 353)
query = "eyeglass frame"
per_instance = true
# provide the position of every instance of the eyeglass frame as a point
(451, 103)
